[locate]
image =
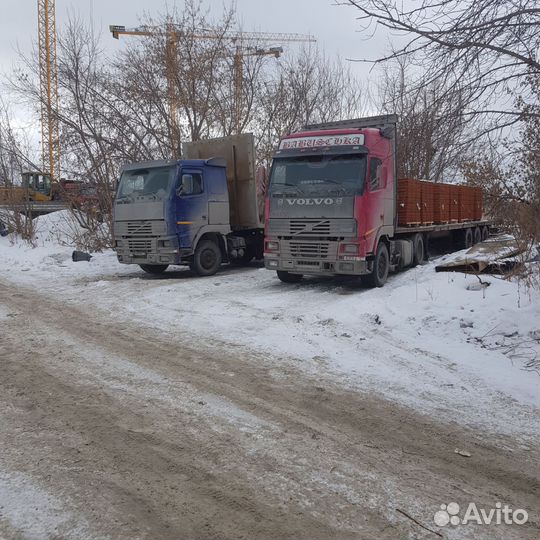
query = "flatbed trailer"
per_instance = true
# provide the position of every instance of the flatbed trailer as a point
(440, 227)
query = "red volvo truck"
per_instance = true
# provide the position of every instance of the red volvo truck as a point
(335, 206)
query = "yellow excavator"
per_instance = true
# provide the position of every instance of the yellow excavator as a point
(35, 186)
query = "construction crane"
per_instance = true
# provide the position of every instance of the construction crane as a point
(48, 85)
(236, 38)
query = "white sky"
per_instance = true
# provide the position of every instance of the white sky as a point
(334, 27)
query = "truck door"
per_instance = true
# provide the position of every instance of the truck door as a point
(191, 205)
(375, 195)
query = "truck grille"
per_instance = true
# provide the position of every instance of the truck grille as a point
(140, 228)
(307, 250)
(309, 227)
(141, 245)
(312, 227)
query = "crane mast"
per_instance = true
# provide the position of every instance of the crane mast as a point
(48, 85)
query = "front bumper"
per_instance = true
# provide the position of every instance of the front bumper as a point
(316, 267)
(161, 250)
(304, 255)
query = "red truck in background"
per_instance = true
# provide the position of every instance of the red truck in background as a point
(333, 202)
(78, 194)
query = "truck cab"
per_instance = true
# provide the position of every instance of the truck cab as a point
(182, 212)
(331, 198)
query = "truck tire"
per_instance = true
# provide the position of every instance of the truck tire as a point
(467, 238)
(477, 235)
(485, 233)
(207, 258)
(286, 277)
(154, 268)
(418, 250)
(381, 267)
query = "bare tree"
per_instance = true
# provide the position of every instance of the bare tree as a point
(510, 176)
(15, 211)
(15, 151)
(488, 47)
(307, 88)
(431, 127)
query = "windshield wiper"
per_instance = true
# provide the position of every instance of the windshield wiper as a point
(289, 185)
(330, 181)
(123, 198)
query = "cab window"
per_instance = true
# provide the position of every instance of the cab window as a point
(375, 174)
(190, 184)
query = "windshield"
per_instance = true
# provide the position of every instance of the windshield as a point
(308, 175)
(151, 183)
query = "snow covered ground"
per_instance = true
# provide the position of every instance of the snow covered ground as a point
(437, 342)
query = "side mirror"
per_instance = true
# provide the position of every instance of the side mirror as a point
(186, 186)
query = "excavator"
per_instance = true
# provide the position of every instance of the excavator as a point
(35, 186)
(38, 194)
(38, 185)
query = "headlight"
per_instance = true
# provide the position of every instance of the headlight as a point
(272, 246)
(349, 248)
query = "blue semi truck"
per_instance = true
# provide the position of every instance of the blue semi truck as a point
(199, 211)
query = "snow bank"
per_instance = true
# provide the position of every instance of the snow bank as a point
(57, 228)
(57, 235)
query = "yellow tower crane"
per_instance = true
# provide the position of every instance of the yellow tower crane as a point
(238, 39)
(48, 84)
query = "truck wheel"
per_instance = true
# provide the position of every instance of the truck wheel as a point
(418, 250)
(485, 233)
(477, 235)
(381, 267)
(207, 258)
(286, 277)
(154, 268)
(467, 238)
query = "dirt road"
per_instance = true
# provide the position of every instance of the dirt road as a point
(113, 430)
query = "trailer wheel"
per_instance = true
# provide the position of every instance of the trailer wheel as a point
(154, 268)
(287, 277)
(418, 250)
(485, 233)
(381, 267)
(467, 238)
(477, 235)
(207, 258)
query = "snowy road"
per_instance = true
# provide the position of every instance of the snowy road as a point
(114, 430)
(236, 406)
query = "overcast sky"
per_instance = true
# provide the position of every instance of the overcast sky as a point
(334, 26)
